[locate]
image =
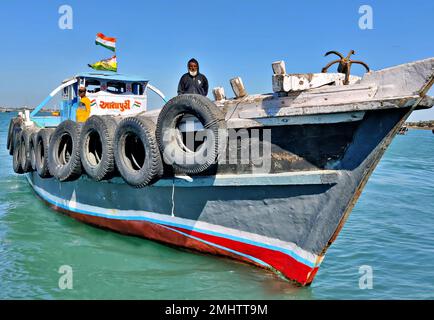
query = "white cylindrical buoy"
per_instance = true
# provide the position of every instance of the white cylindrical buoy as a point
(279, 67)
(27, 120)
(238, 87)
(219, 93)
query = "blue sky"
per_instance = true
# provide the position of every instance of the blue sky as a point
(229, 38)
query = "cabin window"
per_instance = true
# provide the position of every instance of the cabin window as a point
(93, 86)
(68, 93)
(137, 88)
(72, 92)
(103, 86)
(116, 87)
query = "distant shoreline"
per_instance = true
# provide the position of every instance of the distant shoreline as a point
(422, 125)
(420, 128)
(7, 110)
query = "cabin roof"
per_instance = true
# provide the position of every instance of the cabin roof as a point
(107, 75)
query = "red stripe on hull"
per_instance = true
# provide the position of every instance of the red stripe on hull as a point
(282, 262)
(288, 266)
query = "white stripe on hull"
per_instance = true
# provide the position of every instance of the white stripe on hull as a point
(291, 249)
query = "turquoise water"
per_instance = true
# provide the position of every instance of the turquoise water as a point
(390, 230)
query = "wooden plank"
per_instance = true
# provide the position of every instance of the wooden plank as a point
(288, 178)
(283, 108)
(295, 120)
(305, 81)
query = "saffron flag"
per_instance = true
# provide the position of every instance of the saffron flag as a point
(109, 64)
(106, 42)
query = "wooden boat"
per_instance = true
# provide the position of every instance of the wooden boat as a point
(311, 146)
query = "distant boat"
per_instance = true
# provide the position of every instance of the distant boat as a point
(403, 130)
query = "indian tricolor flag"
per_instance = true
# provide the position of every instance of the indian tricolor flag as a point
(109, 43)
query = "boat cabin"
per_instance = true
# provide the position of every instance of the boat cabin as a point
(110, 94)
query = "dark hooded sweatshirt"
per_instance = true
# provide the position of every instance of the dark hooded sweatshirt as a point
(197, 84)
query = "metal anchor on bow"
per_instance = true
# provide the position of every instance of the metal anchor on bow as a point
(344, 64)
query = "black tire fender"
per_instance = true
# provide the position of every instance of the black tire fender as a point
(16, 134)
(64, 151)
(96, 151)
(9, 137)
(32, 151)
(136, 152)
(25, 160)
(171, 146)
(16, 163)
(14, 122)
(41, 152)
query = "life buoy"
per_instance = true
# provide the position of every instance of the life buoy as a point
(171, 141)
(41, 152)
(64, 151)
(137, 156)
(96, 151)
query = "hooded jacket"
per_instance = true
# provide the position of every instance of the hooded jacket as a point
(190, 84)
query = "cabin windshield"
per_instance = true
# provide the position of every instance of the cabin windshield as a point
(69, 93)
(93, 86)
(113, 86)
(137, 88)
(116, 87)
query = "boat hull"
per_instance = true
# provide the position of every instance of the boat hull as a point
(282, 257)
(278, 221)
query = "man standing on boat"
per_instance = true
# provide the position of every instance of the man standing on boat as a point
(83, 110)
(193, 81)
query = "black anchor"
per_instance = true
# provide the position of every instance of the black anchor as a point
(344, 64)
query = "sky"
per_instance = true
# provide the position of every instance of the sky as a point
(242, 38)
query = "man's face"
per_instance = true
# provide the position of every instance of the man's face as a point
(81, 93)
(192, 67)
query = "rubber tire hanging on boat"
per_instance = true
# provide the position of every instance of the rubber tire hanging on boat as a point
(10, 130)
(171, 145)
(18, 127)
(14, 122)
(97, 157)
(41, 152)
(32, 151)
(64, 151)
(137, 134)
(26, 164)
(16, 163)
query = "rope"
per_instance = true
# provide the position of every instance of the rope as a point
(173, 197)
